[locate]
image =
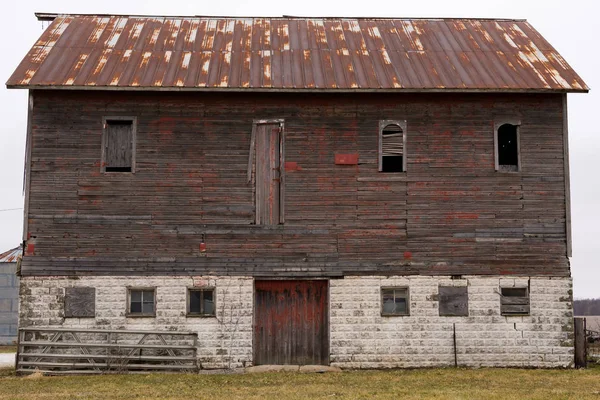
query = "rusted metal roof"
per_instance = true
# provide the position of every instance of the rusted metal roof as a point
(293, 53)
(12, 255)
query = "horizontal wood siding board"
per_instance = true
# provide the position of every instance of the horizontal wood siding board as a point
(450, 213)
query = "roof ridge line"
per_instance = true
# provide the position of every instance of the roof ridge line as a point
(43, 16)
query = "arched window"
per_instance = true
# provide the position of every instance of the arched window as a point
(507, 147)
(392, 146)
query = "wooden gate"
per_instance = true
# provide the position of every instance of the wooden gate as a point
(291, 323)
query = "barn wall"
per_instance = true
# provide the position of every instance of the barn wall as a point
(359, 336)
(451, 213)
(224, 341)
(362, 338)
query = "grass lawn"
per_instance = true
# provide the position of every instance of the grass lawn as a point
(397, 384)
(8, 349)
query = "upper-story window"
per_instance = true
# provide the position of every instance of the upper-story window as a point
(506, 140)
(118, 144)
(392, 146)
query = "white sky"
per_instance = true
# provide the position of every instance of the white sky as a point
(570, 26)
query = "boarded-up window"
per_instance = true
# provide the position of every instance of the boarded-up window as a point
(201, 302)
(507, 147)
(453, 301)
(118, 145)
(80, 302)
(514, 301)
(392, 146)
(394, 301)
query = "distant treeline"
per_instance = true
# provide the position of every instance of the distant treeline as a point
(586, 307)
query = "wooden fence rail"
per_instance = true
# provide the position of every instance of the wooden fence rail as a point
(85, 351)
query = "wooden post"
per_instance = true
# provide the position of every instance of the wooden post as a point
(454, 339)
(580, 343)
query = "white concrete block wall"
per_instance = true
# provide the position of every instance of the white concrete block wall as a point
(359, 336)
(224, 341)
(362, 338)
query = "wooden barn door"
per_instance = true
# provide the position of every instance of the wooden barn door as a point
(291, 323)
(268, 174)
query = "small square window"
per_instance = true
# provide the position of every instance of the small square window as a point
(142, 302)
(394, 301)
(514, 301)
(201, 302)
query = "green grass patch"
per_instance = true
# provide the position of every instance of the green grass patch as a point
(8, 349)
(402, 384)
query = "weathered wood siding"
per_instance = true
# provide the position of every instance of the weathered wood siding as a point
(450, 213)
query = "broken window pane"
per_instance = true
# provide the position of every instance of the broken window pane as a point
(514, 301)
(201, 302)
(194, 307)
(400, 306)
(514, 292)
(208, 302)
(392, 149)
(508, 149)
(394, 301)
(391, 164)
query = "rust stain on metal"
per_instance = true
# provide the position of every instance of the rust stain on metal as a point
(12, 255)
(83, 51)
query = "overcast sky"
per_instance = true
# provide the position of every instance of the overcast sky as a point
(570, 26)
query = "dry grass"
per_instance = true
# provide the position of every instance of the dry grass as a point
(8, 349)
(406, 384)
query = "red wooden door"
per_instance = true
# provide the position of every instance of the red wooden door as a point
(268, 174)
(291, 323)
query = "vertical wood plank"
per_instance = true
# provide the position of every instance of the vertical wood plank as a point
(27, 176)
(580, 343)
(290, 324)
(565, 118)
(268, 158)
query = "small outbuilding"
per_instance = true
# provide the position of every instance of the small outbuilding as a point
(9, 295)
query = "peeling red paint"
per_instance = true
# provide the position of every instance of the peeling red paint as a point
(346, 159)
(30, 249)
(292, 166)
(407, 255)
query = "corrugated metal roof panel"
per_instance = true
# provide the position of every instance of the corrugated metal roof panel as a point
(12, 255)
(290, 53)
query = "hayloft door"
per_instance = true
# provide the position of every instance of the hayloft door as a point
(290, 322)
(268, 173)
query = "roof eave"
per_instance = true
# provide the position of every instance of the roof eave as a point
(295, 90)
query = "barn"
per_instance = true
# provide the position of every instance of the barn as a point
(353, 192)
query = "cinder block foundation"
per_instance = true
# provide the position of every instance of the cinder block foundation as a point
(360, 337)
